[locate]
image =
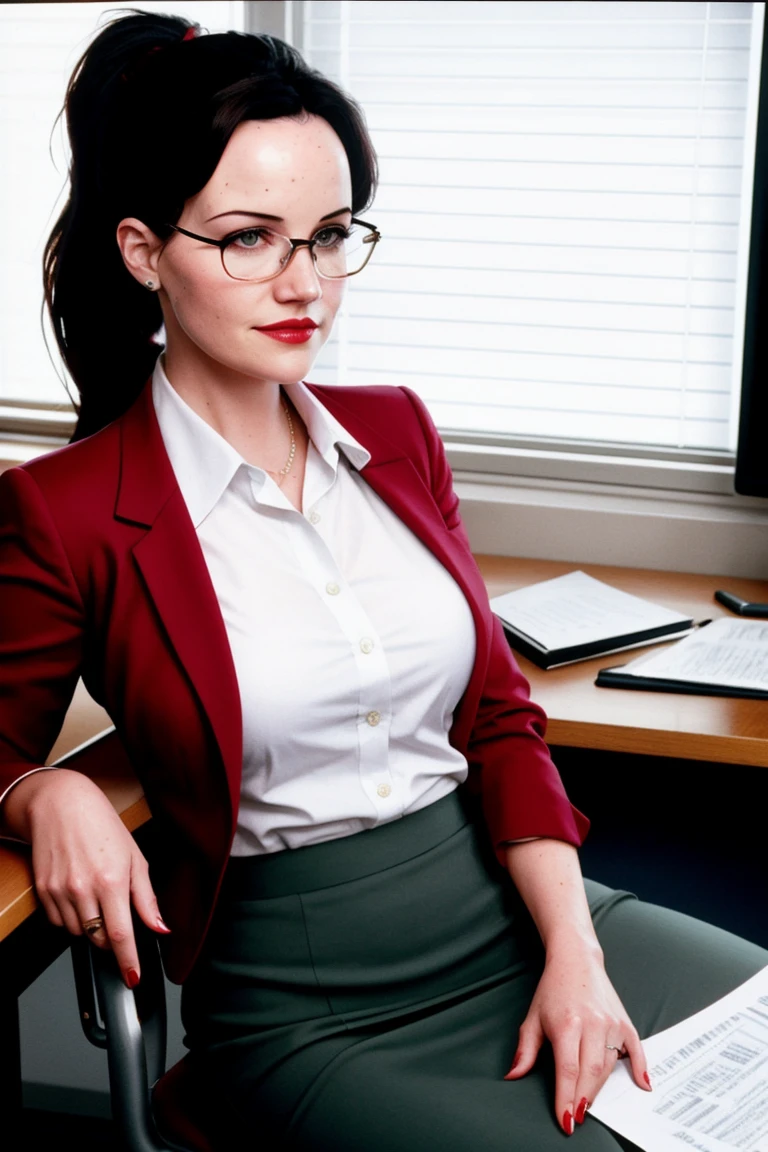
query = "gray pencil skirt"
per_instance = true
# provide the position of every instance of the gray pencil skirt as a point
(365, 995)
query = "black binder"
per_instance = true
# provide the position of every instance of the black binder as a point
(554, 657)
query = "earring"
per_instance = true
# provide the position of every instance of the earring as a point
(150, 284)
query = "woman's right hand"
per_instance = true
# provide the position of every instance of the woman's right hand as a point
(86, 864)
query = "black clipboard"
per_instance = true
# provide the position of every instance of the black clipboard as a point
(616, 678)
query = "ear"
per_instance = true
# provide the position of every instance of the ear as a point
(140, 249)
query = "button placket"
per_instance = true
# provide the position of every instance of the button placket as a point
(315, 555)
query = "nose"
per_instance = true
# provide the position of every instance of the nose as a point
(299, 279)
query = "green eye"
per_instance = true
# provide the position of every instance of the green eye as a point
(249, 239)
(330, 237)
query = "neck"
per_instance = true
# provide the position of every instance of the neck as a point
(247, 412)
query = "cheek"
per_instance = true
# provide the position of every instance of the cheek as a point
(204, 307)
(334, 292)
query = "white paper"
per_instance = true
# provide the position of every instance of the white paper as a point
(577, 609)
(728, 652)
(710, 1081)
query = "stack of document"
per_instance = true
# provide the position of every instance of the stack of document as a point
(576, 617)
(727, 658)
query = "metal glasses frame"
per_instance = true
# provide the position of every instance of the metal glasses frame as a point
(372, 239)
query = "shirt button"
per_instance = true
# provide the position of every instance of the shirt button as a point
(332, 589)
(383, 790)
(366, 645)
(314, 517)
(373, 718)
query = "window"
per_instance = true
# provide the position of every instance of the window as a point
(565, 207)
(39, 46)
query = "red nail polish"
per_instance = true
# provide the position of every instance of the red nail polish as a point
(567, 1123)
(515, 1063)
(647, 1079)
(131, 977)
(581, 1110)
(161, 924)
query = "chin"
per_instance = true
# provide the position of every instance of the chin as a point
(289, 365)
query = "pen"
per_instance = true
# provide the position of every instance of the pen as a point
(741, 607)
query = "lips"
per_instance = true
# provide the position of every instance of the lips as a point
(290, 331)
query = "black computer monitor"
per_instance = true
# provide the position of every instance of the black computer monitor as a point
(752, 451)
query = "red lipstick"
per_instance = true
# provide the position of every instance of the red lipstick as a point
(290, 331)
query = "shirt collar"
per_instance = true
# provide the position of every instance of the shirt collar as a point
(205, 464)
(325, 431)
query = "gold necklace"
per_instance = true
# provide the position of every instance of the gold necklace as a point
(283, 472)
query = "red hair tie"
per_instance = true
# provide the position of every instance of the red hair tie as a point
(190, 34)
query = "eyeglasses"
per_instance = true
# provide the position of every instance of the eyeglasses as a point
(258, 254)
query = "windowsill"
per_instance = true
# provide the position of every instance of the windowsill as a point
(19, 450)
(671, 471)
(607, 523)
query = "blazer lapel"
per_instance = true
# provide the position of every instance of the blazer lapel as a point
(174, 571)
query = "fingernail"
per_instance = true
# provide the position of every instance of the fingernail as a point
(131, 977)
(581, 1110)
(567, 1123)
(647, 1079)
(161, 924)
(515, 1063)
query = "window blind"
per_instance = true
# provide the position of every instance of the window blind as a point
(564, 204)
(39, 46)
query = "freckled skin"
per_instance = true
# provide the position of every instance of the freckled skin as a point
(293, 169)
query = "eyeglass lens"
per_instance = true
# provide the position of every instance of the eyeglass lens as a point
(259, 253)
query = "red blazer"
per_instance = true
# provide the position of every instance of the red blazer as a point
(101, 575)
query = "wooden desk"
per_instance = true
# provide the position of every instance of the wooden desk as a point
(581, 715)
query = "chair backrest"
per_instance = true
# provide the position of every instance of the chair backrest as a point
(154, 1110)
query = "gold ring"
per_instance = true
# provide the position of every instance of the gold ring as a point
(93, 925)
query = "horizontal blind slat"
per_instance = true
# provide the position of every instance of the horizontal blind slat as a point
(581, 316)
(560, 206)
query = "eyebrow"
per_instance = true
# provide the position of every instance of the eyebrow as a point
(266, 215)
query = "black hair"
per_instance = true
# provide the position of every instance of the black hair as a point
(150, 108)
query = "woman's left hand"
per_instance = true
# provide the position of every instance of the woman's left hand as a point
(577, 1009)
(575, 1006)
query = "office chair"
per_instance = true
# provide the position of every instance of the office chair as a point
(155, 1110)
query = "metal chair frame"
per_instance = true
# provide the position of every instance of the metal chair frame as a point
(132, 1027)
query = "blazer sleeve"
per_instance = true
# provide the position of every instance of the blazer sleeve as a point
(41, 628)
(521, 790)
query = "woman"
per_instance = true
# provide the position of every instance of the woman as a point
(268, 586)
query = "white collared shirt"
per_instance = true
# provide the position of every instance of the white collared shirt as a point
(352, 645)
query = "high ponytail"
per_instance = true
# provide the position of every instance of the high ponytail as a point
(149, 110)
